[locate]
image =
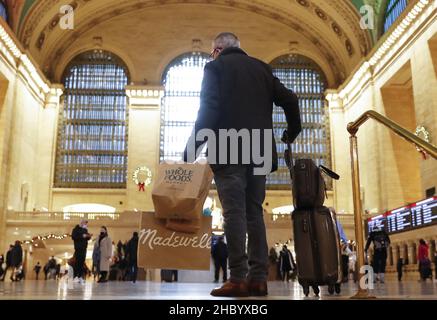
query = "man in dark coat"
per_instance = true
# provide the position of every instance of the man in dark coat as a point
(16, 259)
(132, 256)
(80, 237)
(399, 268)
(220, 255)
(236, 103)
(37, 269)
(8, 262)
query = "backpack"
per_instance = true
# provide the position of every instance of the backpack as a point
(380, 242)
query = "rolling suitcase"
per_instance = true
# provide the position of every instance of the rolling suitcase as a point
(316, 239)
(316, 244)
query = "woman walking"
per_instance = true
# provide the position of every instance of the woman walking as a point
(105, 250)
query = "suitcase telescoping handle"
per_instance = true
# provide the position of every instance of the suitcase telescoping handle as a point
(287, 153)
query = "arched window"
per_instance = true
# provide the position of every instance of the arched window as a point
(393, 11)
(305, 78)
(182, 82)
(92, 134)
(3, 10)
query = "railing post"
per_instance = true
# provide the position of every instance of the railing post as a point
(363, 293)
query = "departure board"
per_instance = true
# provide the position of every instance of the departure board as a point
(416, 215)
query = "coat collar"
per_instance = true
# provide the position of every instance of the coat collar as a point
(232, 50)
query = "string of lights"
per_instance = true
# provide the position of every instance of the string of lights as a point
(46, 237)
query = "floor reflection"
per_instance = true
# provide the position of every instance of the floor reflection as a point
(67, 290)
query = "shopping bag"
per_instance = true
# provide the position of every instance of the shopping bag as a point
(162, 248)
(180, 190)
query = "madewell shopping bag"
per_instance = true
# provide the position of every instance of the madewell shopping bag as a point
(162, 248)
(180, 190)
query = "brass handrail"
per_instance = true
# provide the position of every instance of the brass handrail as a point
(396, 128)
(352, 128)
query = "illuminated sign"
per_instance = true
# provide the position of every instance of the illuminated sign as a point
(417, 215)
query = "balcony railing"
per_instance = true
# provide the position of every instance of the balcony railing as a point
(283, 220)
(73, 217)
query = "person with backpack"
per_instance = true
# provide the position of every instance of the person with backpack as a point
(286, 262)
(381, 242)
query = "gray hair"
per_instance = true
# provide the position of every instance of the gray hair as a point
(227, 40)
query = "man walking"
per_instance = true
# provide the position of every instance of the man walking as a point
(80, 237)
(220, 255)
(237, 94)
(132, 257)
(37, 269)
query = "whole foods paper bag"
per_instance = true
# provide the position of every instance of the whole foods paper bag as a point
(180, 190)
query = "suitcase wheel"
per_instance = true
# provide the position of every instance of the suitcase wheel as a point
(306, 291)
(331, 289)
(337, 288)
(316, 290)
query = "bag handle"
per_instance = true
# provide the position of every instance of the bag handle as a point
(329, 172)
(289, 158)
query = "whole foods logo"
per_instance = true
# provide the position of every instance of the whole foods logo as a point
(179, 175)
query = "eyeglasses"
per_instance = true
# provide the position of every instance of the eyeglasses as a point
(215, 51)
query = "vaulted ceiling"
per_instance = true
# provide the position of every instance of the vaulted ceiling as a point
(147, 34)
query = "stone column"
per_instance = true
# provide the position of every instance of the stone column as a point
(47, 144)
(411, 253)
(339, 152)
(404, 252)
(144, 141)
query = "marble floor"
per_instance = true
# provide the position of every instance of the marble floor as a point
(63, 290)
